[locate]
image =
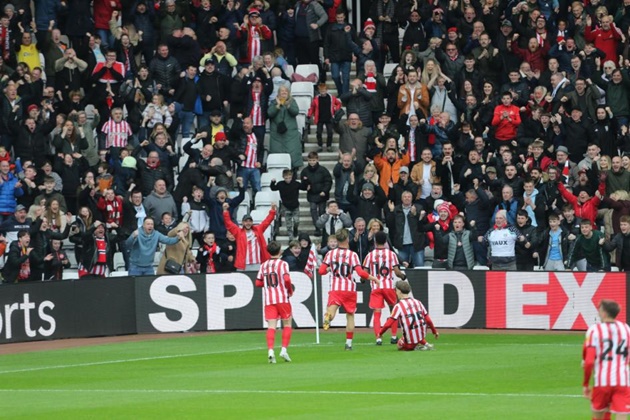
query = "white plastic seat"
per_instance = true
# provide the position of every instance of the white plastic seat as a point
(304, 89)
(307, 69)
(70, 274)
(266, 198)
(389, 69)
(481, 268)
(288, 71)
(119, 261)
(303, 103)
(258, 216)
(119, 274)
(278, 161)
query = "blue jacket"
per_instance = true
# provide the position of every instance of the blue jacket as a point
(8, 192)
(215, 211)
(142, 248)
(45, 11)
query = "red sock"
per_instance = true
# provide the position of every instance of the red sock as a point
(377, 323)
(607, 416)
(271, 337)
(349, 335)
(286, 336)
(394, 329)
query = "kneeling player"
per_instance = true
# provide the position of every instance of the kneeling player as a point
(413, 318)
(343, 291)
(606, 351)
(382, 263)
(274, 277)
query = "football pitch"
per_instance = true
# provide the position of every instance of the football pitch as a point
(495, 375)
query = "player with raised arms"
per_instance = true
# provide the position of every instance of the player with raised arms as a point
(341, 262)
(382, 263)
(605, 357)
(413, 318)
(273, 276)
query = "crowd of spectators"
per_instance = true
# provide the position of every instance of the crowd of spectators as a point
(494, 133)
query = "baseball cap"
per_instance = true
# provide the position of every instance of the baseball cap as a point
(20, 207)
(254, 12)
(216, 113)
(210, 60)
(491, 169)
(404, 169)
(220, 136)
(368, 186)
(32, 107)
(506, 23)
(247, 217)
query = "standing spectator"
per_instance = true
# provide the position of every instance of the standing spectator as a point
(554, 245)
(611, 367)
(251, 35)
(413, 99)
(337, 52)
(98, 252)
(459, 244)
(589, 245)
(527, 251)
(164, 70)
(344, 173)
(142, 244)
(322, 111)
(180, 251)
(289, 192)
(274, 277)
(18, 265)
(414, 319)
(12, 225)
(506, 120)
(10, 189)
(501, 240)
(284, 135)
(359, 101)
(332, 221)
(621, 244)
(251, 246)
(342, 263)
(197, 208)
(186, 98)
(605, 38)
(353, 139)
(160, 201)
(310, 16)
(116, 131)
(584, 205)
(579, 130)
(388, 165)
(213, 90)
(256, 105)
(403, 224)
(318, 182)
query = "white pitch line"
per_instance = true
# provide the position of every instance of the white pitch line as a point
(175, 356)
(281, 391)
(142, 359)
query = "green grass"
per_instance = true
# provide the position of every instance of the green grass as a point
(472, 376)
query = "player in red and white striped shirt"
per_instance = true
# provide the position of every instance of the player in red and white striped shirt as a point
(413, 318)
(343, 291)
(382, 263)
(274, 277)
(606, 352)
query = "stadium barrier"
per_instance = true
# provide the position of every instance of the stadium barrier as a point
(216, 302)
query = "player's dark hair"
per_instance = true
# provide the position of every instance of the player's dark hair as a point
(342, 235)
(611, 307)
(273, 248)
(403, 286)
(380, 238)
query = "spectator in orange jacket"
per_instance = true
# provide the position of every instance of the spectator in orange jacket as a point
(388, 165)
(251, 246)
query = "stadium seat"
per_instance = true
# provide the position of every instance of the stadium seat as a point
(266, 198)
(301, 123)
(265, 181)
(302, 89)
(119, 261)
(305, 70)
(481, 268)
(304, 103)
(119, 274)
(279, 161)
(182, 162)
(70, 274)
(289, 70)
(389, 69)
(240, 212)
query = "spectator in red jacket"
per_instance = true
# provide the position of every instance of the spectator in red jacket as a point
(584, 205)
(506, 120)
(534, 54)
(103, 10)
(251, 246)
(322, 111)
(605, 38)
(111, 207)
